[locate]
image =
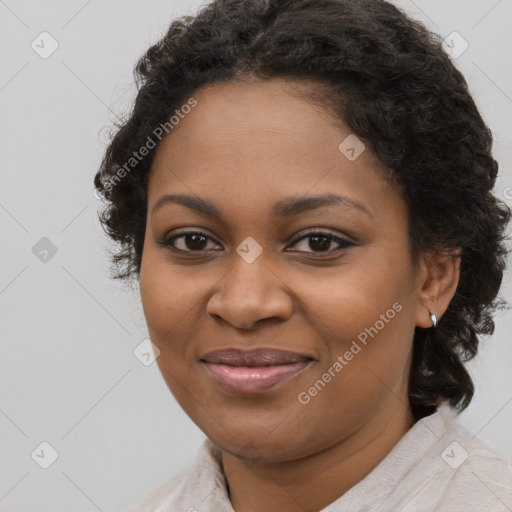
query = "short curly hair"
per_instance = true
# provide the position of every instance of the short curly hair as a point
(387, 78)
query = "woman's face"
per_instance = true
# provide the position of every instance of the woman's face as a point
(345, 307)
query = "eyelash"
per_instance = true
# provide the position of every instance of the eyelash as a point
(168, 242)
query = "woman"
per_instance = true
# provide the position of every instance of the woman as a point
(303, 191)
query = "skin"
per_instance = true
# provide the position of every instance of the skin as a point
(245, 146)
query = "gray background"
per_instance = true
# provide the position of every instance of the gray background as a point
(68, 375)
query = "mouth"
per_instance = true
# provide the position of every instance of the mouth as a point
(253, 371)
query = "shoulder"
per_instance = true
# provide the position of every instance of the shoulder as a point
(476, 476)
(152, 500)
(182, 485)
(467, 473)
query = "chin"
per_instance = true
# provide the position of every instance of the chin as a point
(254, 445)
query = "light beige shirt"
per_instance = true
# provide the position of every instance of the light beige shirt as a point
(436, 466)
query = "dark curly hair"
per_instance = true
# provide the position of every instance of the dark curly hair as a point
(386, 77)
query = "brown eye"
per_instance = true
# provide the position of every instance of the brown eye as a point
(197, 241)
(321, 242)
(190, 241)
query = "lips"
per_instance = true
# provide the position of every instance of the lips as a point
(256, 370)
(254, 357)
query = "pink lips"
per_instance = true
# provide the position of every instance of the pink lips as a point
(252, 371)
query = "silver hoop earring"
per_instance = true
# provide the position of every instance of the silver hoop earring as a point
(433, 318)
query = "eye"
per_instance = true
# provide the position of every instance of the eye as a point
(193, 240)
(320, 241)
(196, 241)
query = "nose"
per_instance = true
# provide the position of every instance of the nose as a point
(250, 293)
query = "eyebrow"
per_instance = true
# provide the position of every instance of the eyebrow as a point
(287, 207)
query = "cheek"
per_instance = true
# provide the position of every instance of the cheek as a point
(168, 298)
(170, 302)
(363, 314)
(350, 297)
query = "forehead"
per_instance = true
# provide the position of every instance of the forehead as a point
(260, 141)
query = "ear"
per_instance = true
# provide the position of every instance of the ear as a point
(439, 278)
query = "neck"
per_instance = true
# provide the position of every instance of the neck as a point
(313, 482)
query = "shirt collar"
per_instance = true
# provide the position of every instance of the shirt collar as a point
(204, 486)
